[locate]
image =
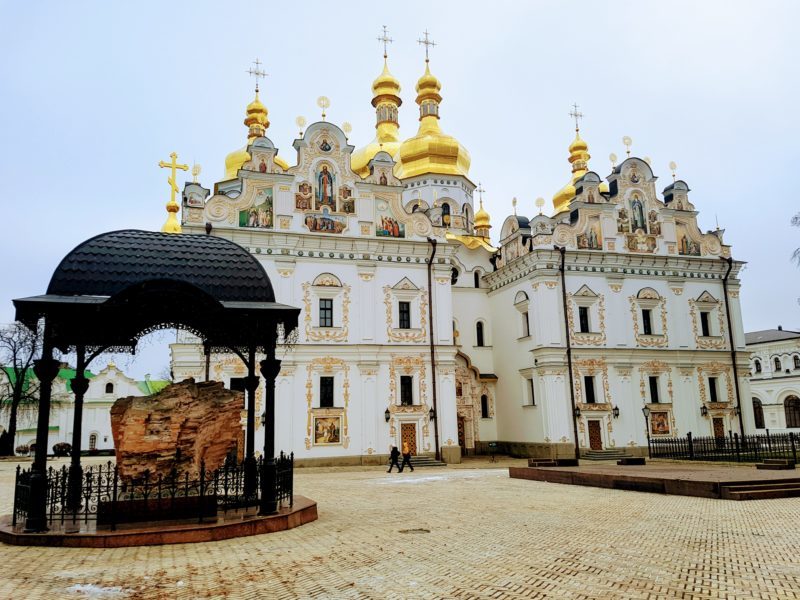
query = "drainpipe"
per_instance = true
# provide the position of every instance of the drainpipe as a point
(563, 252)
(432, 242)
(729, 260)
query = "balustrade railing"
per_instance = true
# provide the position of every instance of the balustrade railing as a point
(730, 448)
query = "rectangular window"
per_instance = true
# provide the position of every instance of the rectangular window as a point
(706, 330)
(588, 384)
(653, 389)
(583, 316)
(526, 325)
(484, 406)
(326, 312)
(712, 389)
(647, 325)
(533, 394)
(326, 392)
(406, 391)
(405, 315)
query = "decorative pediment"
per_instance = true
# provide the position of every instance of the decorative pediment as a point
(706, 297)
(648, 294)
(585, 292)
(405, 284)
(327, 280)
(520, 297)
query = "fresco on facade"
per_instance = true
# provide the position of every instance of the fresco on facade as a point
(326, 195)
(639, 242)
(653, 224)
(327, 430)
(623, 221)
(592, 239)
(260, 214)
(386, 225)
(659, 423)
(325, 222)
(637, 214)
(686, 245)
(195, 200)
(347, 204)
(302, 198)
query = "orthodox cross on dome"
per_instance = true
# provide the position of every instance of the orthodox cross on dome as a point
(385, 40)
(427, 42)
(576, 115)
(172, 225)
(257, 72)
(480, 191)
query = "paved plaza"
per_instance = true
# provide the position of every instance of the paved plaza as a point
(467, 532)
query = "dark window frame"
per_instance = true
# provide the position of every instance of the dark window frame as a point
(526, 324)
(647, 321)
(654, 395)
(404, 314)
(326, 312)
(109, 388)
(584, 326)
(406, 390)
(705, 325)
(589, 391)
(712, 390)
(480, 341)
(791, 409)
(327, 395)
(758, 414)
(485, 407)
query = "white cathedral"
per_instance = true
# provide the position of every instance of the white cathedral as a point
(414, 328)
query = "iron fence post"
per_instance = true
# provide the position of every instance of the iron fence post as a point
(794, 447)
(691, 446)
(736, 445)
(202, 488)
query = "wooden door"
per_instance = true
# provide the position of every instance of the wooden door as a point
(595, 437)
(408, 435)
(719, 427)
(462, 438)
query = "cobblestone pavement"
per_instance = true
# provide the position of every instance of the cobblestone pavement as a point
(448, 533)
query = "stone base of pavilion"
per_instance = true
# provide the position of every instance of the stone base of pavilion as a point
(683, 479)
(303, 510)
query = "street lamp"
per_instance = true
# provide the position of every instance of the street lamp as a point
(704, 411)
(615, 412)
(432, 415)
(646, 413)
(387, 415)
(577, 412)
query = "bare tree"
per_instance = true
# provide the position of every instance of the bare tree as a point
(19, 347)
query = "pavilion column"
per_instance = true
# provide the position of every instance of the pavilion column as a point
(250, 467)
(45, 369)
(269, 369)
(79, 384)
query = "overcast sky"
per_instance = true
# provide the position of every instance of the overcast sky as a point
(94, 94)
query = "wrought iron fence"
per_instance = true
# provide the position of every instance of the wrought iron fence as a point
(98, 494)
(731, 448)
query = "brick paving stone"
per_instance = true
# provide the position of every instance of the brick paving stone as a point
(469, 533)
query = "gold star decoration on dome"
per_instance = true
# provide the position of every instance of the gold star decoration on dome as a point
(385, 40)
(323, 102)
(257, 72)
(576, 115)
(427, 42)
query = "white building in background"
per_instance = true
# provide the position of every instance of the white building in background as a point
(385, 252)
(104, 388)
(775, 380)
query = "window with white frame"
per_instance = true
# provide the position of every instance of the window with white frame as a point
(521, 304)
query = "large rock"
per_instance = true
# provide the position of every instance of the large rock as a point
(182, 425)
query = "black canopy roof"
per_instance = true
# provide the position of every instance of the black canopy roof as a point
(116, 286)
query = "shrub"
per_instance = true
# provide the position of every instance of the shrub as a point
(62, 449)
(23, 449)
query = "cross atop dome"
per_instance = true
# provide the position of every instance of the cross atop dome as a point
(257, 72)
(576, 115)
(427, 42)
(385, 40)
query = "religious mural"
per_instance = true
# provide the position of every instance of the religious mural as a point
(623, 221)
(592, 238)
(327, 430)
(347, 204)
(659, 423)
(260, 214)
(686, 245)
(302, 198)
(325, 222)
(639, 242)
(326, 195)
(637, 214)
(386, 225)
(194, 200)
(325, 145)
(653, 223)
(262, 166)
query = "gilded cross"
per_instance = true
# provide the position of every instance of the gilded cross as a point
(171, 179)
(427, 42)
(576, 115)
(385, 40)
(257, 72)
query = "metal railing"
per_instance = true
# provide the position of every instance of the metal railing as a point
(98, 494)
(730, 448)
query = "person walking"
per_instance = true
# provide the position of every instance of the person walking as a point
(406, 458)
(394, 455)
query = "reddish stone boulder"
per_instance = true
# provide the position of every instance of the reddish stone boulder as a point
(182, 425)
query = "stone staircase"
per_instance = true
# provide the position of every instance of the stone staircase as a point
(761, 490)
(612, 454)
(424, 460)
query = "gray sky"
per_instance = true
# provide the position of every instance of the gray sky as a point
(94, 94)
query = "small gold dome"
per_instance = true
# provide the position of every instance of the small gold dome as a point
(257, 121)
(482, 220)
(579, 159)
(431, 150)
(385, 84)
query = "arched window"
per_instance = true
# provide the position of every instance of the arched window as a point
(796, 361)
(477, 277)
(454, 276)
(484, 406)
(109, 388)
(757, 365)
(445, 214)
(93, 441)
(479, 334)
(758, 413)
(791, 407)
(415, 208)
(777, 362)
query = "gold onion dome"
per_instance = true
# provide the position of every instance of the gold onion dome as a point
(482, 220)
(579, 159)
(431, 150)
(386, 100)
(257, 121)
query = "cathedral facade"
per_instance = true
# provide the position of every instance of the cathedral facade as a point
(415, 328)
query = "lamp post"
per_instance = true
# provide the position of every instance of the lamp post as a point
(646, 413)
(615, 412)
(387, 415)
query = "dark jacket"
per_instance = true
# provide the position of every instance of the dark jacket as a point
(394, 455)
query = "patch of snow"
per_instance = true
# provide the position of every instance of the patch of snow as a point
(90, 590)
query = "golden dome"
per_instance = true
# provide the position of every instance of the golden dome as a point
(386, 100)
(579, 159)
(257, 121)
(482, 218)
(431, 150)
